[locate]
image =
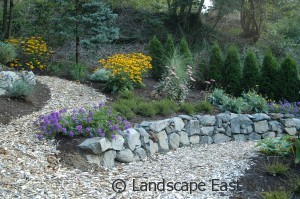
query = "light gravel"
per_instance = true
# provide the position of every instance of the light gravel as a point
(30, 169)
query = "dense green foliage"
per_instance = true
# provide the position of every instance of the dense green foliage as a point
(251, 72)
(276, 146)
(232, 71)
(7, 53)
(289, 81)
(169, 46)
(269, 84)
(216, 64)
(185, 51)
(156, 51)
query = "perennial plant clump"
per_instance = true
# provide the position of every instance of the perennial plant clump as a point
(284, 107)
(127, 70)
(93, 121)
(32, 53)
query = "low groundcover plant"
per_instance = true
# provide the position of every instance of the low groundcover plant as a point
(93, 121)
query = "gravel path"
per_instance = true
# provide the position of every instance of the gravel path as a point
(29, 168)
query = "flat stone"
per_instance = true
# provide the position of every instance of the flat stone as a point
(145, 124)
(170, 130)
(141, 153)
(178, 124)
(144, 136)
(207, 130)
(288, 122)
(245, 121)
(228, 131)
(233, 115)
(125, 156)
(261, 126)
(221, 130)
(224, 117)
(151, 148)
(275, 116)
(193, 127)
(163, 140)
(185, 117)
(206, 140)
(159, 125)
(206, 120)
(290, 130)
(253, 136)
(235, 125)
(117, 143)
(132, 140)
(95, 145)
(269, 135)
(274, 125)
(239, 137)
(219, 138)
(184, 139)
(108, 159)
(297, 123)
(174, 141)
(260, 116)
(249, 129)
(195, 139)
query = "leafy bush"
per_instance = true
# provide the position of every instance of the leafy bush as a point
(269, 84)
(91, 121)
(284, 107)
(204, 106)
(166, 107)
(7, 53)
(100, 75)
(255, 102)
(126, 70)
(235, 105)
(169, 46)
(124, 110)
(187, 108)
(232, 72)
(146, 109)
(289, 81)
(127, 94)
(216, 64)
(185, 51)
(156, 51)
(276, 146)
(251, 71)
(33, 53)
(79, 72)
(218, 97)
(276, 195)
(277, 168)
(59, 69)
(21, 88)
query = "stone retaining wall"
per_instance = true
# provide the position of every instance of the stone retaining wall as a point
(148, 138)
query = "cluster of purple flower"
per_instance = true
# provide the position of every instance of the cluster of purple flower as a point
(95, 121)
(285, 107)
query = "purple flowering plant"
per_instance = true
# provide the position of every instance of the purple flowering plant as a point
(93, 121)
(285, 107)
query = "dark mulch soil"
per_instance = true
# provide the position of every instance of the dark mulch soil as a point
(11, 108)
(256, 180)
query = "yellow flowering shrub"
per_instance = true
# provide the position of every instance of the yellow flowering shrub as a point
(33, 52)
(126, 69)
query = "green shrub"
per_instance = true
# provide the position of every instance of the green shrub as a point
(251, 71)
(256, 102)
(146, 109)
(187, 108)
(276, 146)
(276, 168)
(7, 53)
(204, 106)
(218, 97)
(296, 184)
(165, 107)
(185, 50)
(101, 75)
(234, 105)
(21, 88)
(130, 103)
(232, 72)
(78, 72)
(124, 110)
(269, 84)
(276, 195)
(216, 64)
(59, 69)
(156, 51)
(289, 81)
(169, 46)
(127, 94)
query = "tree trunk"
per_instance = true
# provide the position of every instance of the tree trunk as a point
(11, 12)
(77, 42)
(5, 4)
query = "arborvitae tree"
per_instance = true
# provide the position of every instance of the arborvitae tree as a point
(156, 51)
(232, 72)
(251, 71)
(289, 81)
(216, 63)
(185, 50)
(169, 46)
(269, 83)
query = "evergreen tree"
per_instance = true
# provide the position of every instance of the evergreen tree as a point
(216, 64)
(289, 81)
(156, 51)
(169, 46)
(185, 50)
(269, 83)
(89, 22)
(251, 71)
(232, 72)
